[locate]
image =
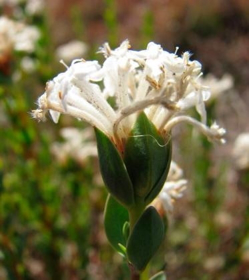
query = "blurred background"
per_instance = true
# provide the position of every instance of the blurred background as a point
(51, 194)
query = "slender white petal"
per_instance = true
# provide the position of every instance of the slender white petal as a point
(214, 132)
(93, 94)
(88, 112)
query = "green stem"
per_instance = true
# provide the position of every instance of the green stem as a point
(134, 214)
(144, 275)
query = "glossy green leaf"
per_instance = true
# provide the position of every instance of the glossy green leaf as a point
(145, 239)
(113, 170)
(159, 276)
(115, 217)
(147, 158)
(158, 186)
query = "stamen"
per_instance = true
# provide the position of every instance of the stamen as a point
(63, 63)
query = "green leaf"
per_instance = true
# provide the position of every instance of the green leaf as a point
(115, 216)
(159, 276)
(113, 170)
(147, 158)
(146, 237)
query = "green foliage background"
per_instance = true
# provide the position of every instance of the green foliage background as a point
(51, 213)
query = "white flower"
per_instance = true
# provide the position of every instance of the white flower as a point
(28, 64)
(78, 145)
(241, 151)
(34, 7)
(172, 189)
(24, 39)
(17, 36)
(71, 92)
(217, 86)
(162, 84)
(71, 50)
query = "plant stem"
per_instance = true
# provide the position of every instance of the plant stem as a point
(136, 275)
(144, 275)
(134, 215)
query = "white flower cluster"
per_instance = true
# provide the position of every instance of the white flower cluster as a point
(218, 86)
(34, 7)
(70, 50)
(172, 189)
(78, 144)
(16, 36)
(241, 151)
(162, 84)
(31, 7)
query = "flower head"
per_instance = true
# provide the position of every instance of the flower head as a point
(162, 84)
(79, 145)
(16, 35)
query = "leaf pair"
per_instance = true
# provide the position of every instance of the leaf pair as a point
(145, 238)
(139, 176)
(147, 158)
